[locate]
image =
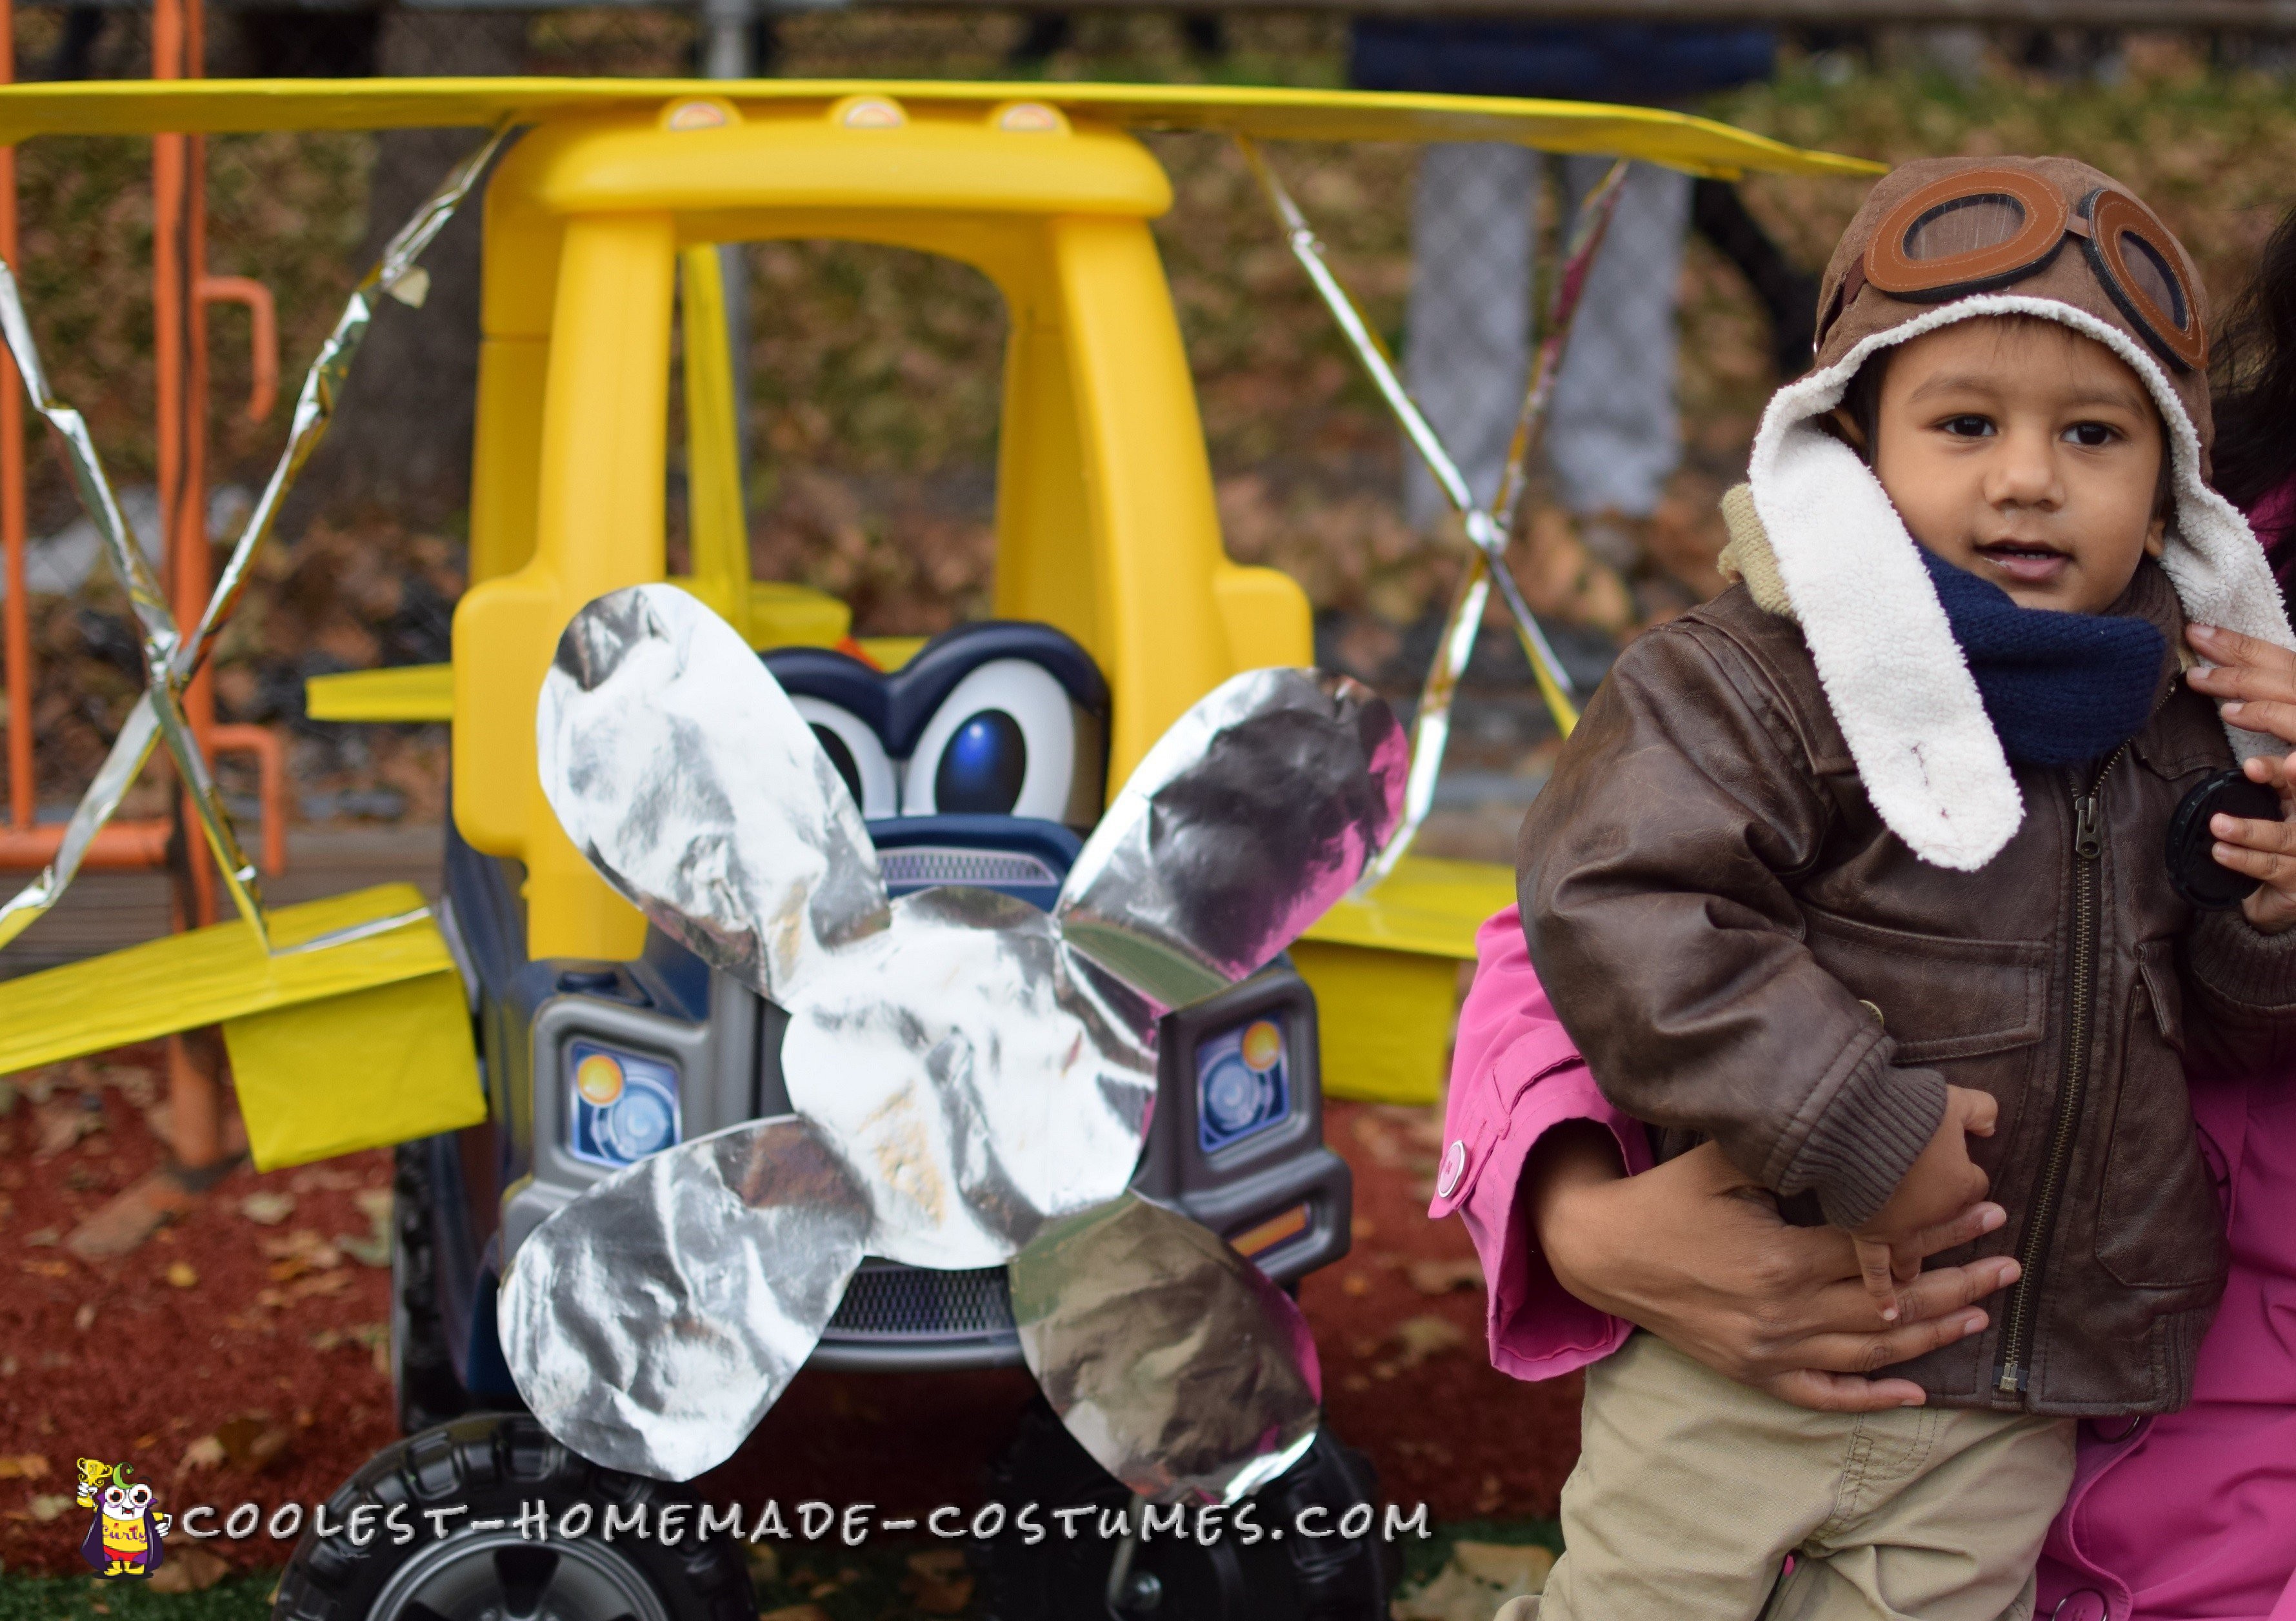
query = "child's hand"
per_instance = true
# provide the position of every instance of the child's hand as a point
(1941, 1183)
(2255, 686)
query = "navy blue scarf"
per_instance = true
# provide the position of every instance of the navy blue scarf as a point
(2060, 688)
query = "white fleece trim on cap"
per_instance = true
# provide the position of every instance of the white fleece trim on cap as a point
(1898, 682)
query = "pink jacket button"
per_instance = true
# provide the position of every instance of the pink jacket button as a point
(1454, 1166)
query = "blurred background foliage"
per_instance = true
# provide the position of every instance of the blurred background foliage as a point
(874, 373)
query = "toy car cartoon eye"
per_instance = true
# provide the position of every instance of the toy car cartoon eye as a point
(139, 1497)
(115, 1500)
(859, 754)
(1002, 743)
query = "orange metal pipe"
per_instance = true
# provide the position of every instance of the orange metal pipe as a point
(271, 771)
(178, 320)
(263, 388)
(193, 1078)
(119, 845)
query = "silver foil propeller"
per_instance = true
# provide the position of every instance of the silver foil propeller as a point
(685, 775)
(1261, 807)
(652, 1323)
(981, 1073)
(978, 1076)
(1172, 1359)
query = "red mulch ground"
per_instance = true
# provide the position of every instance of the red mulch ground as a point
(252, 1375)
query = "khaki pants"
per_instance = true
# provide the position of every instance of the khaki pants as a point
(1692, 1489)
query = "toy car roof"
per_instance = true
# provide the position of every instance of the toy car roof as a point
(205, 106)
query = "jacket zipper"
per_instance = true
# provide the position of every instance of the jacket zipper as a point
(2088, 843)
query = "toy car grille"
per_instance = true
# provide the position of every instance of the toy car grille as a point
(923, 864)
(886, 1300)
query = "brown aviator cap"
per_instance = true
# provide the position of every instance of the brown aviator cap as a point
(1939, 229)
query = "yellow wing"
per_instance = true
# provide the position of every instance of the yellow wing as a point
(195, 106)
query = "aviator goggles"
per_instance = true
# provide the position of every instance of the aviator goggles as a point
(1987, 228)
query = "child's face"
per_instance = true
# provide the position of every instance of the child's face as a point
(2028, 455)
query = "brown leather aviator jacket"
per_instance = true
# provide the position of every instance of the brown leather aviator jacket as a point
(1743, 949)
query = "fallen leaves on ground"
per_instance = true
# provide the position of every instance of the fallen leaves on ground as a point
(191, 1570)
(181, 1275)
(374, 1335)
(1423, 1336)
(46, 1506)
(300, 1252)
(131, 1216)
(23, 1466)
(938, 1582)
(205, 1452)
(266, 1208)
(61, 1123)
(303, 1288)
(1378, 1141)
(795, 1612)
(252, 1441)
(375, 1248)
(1479, 1577)
(1442, 1277)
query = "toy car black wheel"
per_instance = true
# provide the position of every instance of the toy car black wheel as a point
(421, 1366)
(1281, 1577)
(483, 1471)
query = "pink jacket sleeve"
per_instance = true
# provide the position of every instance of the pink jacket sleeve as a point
(1513, 1075)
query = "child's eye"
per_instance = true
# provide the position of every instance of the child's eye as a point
(2091, 435)
(1967, 427)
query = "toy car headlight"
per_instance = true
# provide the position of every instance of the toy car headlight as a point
(1242, 1083)
(624, 1105)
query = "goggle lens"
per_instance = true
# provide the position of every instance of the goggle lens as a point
(2143, 277)
(2149, 274)
(1965, 225)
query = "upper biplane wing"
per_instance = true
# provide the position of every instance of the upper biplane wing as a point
(215, 105)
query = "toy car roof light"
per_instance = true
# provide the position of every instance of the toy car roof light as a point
(980, 1071)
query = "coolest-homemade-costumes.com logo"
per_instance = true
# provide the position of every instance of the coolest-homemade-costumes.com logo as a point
(124, 1538)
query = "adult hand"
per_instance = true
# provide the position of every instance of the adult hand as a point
(2254, 684)
(1696, 1253)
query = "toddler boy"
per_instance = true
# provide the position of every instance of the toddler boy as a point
(1858, 870)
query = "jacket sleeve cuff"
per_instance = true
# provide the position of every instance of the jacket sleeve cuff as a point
(1537, 1329)
(1872, 1129)
(2229, 955)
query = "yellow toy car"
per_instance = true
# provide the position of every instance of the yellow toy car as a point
(534, 1036)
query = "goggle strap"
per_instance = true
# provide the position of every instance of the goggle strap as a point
(1853, 283)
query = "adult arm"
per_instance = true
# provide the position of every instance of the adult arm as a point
(1697, 1254)
(1576, 1253)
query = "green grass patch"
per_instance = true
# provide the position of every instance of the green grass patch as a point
(240, 1598)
